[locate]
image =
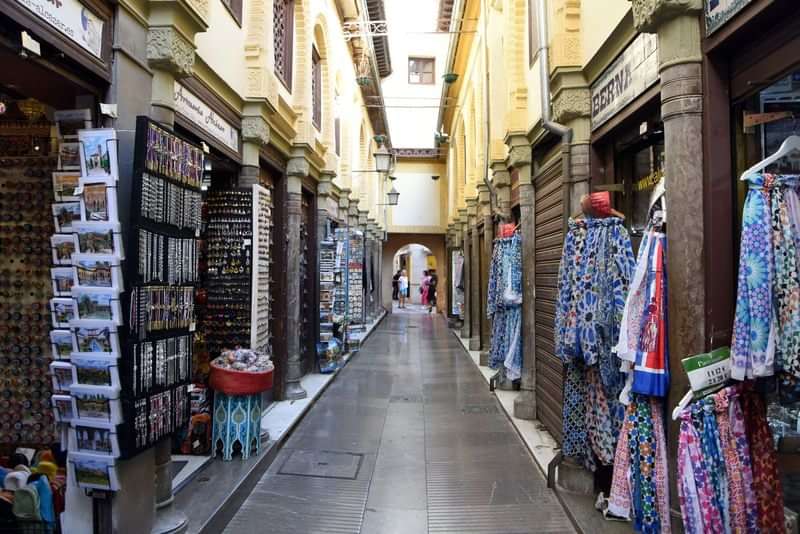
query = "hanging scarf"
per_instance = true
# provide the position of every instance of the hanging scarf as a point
(643, 332)
(753, 338)
(504, 299)
(640, 481)
(766, 478)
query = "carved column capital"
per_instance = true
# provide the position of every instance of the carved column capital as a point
(571, 103)
(325, 184)
(298, 166)
(519, 156)
(170, 51)
(648, 15)
(255, 130)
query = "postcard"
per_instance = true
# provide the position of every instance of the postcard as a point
(98, 238)
(95, 370)
(99, 202)
(93, 471)
(64, 214)
(69, 121)
(63, 279)
(97, 270)
(98, 153)
(63, 246)
(61, 341)
(63, 310)
(62, 408)
(97, 402)
(69, 158)
(63, 377)
(95, 337)
(98, 304)
(92, 437)
(65, 185)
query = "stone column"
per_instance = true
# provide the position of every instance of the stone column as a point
(678, 25)
(485, 215)
(519, 157)
(466, 327)
(502, 185)
(474, 276)
(171, 55)
(255, 135)
(296, 170)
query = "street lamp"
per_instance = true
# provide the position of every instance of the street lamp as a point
(383, 160)
(394, 196)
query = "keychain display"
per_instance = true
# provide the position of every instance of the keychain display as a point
(260, 334)
(355, 274)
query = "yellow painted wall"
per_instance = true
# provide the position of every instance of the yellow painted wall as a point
(598, 20)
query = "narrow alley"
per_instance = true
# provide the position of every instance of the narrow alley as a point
(407, 439)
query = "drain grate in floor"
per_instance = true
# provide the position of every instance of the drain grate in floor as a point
(322, 464)
(406, 398)
(478, 408)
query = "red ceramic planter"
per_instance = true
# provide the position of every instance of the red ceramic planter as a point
(239, 382)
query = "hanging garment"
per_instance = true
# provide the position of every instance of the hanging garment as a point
(639, 486)
(644, 330)
(705, 418)
(504, 305)
(597, 265)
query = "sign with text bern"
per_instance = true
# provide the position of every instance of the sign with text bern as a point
(630, 75)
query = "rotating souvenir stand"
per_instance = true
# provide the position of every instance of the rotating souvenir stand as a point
(328, 348)
(260, 335)
(341, 301)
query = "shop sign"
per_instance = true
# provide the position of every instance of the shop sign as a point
(71, 19)
(719, 12)
(197, 111)
(630, 75)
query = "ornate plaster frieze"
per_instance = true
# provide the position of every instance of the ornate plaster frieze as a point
(168, 50)
(648, 15)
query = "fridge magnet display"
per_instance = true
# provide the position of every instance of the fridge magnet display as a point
(95, 370)
(93, 471)
(69, 121)
(63, 280)
(62, 376)
(63, 246)
(96, 270)
(63, 310)
(100, 438)
(65, 185)
(69, 158)
(64, 214)
(95, 337)
(98, 153)
(98, 238)
(98, 304)
(61, 340)
(97, 402)
(62, 408)
(99, 202)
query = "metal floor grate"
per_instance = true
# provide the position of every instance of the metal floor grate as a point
(323, 464)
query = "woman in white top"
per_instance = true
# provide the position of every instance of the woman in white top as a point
(402, 284)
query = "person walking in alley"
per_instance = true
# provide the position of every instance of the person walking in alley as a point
(433, 281)
(402, 284)
(395, 285)
(423, 288)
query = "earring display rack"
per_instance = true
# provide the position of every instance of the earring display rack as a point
(26, 418)
(163, 267)
(260, 336)
(355, 276)
(229, 242)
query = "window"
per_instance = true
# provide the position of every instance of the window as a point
(421, 70)
(283, 31)
(235, 9)
(533, 31)
(316, 88)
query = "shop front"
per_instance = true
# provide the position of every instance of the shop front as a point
(753, 100)
(56, 73)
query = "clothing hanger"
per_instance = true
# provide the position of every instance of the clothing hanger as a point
(791, 144)
(682, 404)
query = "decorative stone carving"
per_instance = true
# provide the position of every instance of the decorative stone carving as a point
(572, 103)
(201, 7)
(255, 130)
(519, 156)
(298, 167)
(648, 15)
(325, 184)
(168, 50)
